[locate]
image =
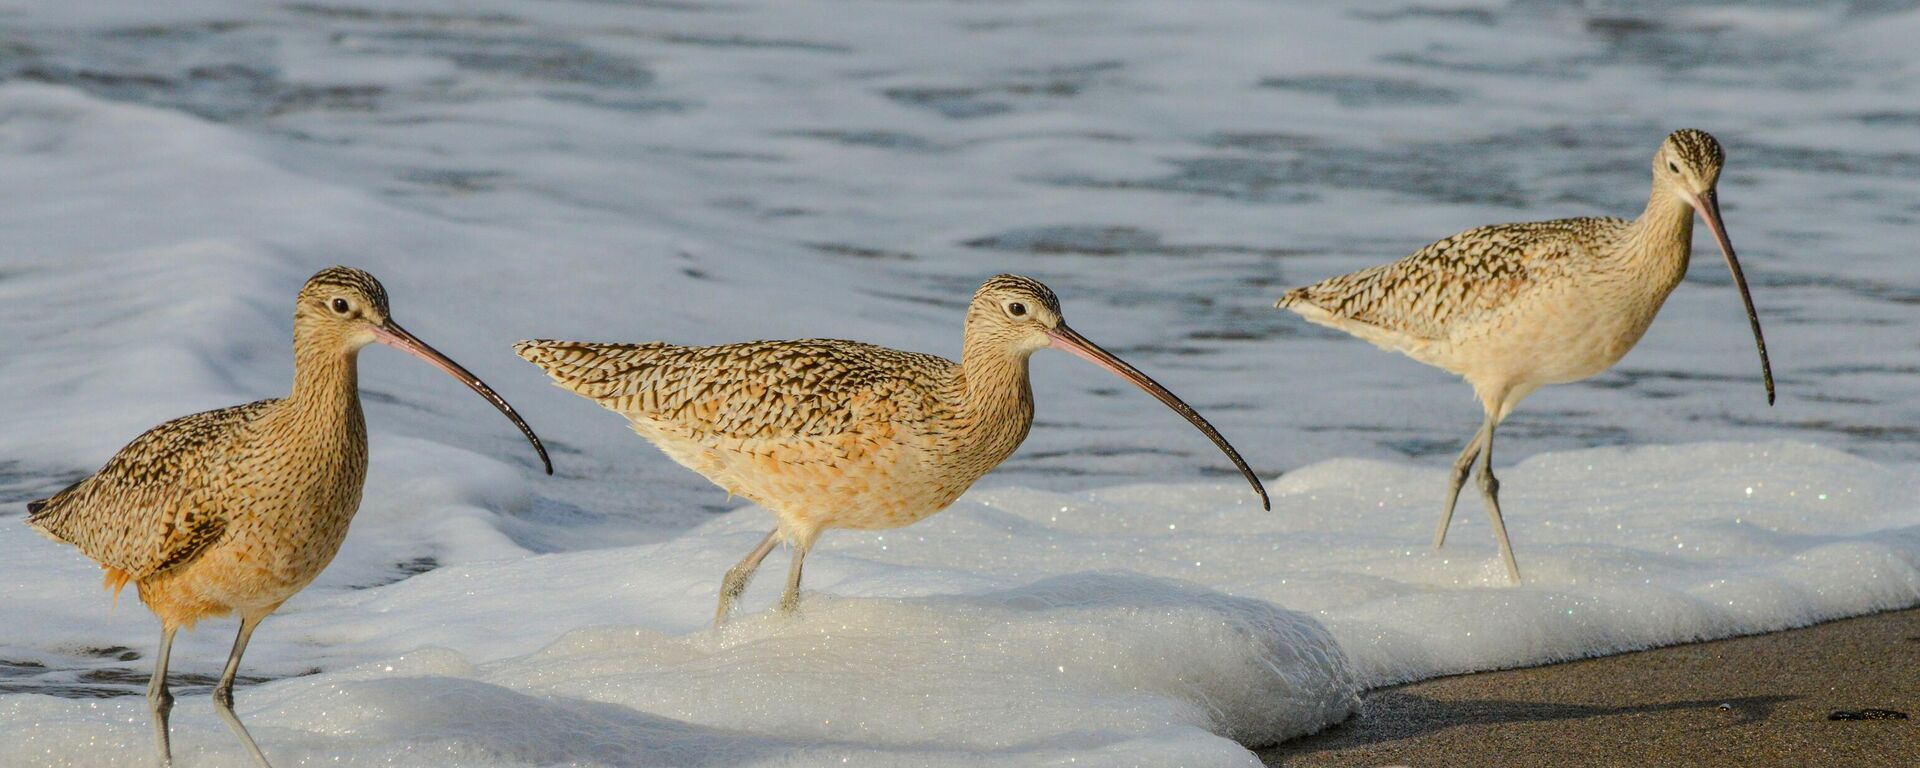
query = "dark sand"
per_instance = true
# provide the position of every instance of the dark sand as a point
(1750, 701)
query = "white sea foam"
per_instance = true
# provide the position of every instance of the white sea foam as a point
(1132, 624)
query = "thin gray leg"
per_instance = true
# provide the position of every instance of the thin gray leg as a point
(1490, 490)
(1462, 467)
(739, 575)
(159, 699)
(223, 693)
(790, 601)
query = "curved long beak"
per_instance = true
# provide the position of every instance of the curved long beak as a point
(1708, 205)
(1071, 341)
(392, 335)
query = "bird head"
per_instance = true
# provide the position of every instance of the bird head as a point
(345, 309)
(1021, 315)
(344, 305)
(1688, 163)
(1013, 313)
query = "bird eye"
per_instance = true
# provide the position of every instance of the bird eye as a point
(1672, 167)
(1017, 309)
(341, 306)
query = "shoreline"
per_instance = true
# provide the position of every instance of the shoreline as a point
(1753, 700)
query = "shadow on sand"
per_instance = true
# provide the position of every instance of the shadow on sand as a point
(1392, 715)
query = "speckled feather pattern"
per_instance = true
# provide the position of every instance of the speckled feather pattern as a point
(1453, 285)
(157, 477)
(825, 433)
(1512, 307)
(235, 509)
(764, 389)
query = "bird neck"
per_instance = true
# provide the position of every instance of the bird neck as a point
(319, 432)
(326, 378)
(995, 398)
(1661, 239)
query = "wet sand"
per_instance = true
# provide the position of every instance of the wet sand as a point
(1763, 700)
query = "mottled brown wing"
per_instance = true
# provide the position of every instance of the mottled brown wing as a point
(763, 389)
(1451, 283)
(151, 508)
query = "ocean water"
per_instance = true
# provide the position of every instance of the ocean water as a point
(705, 172)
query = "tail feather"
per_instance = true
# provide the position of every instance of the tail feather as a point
(40, 512)
(597, 371)
(114, 581)
(44, 521)
(1293, 298)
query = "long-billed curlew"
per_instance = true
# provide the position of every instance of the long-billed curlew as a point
(838, 434)
(235, 510)
(1512, 307)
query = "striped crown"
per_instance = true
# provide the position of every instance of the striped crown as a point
(350, 279)
(1697, 148)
